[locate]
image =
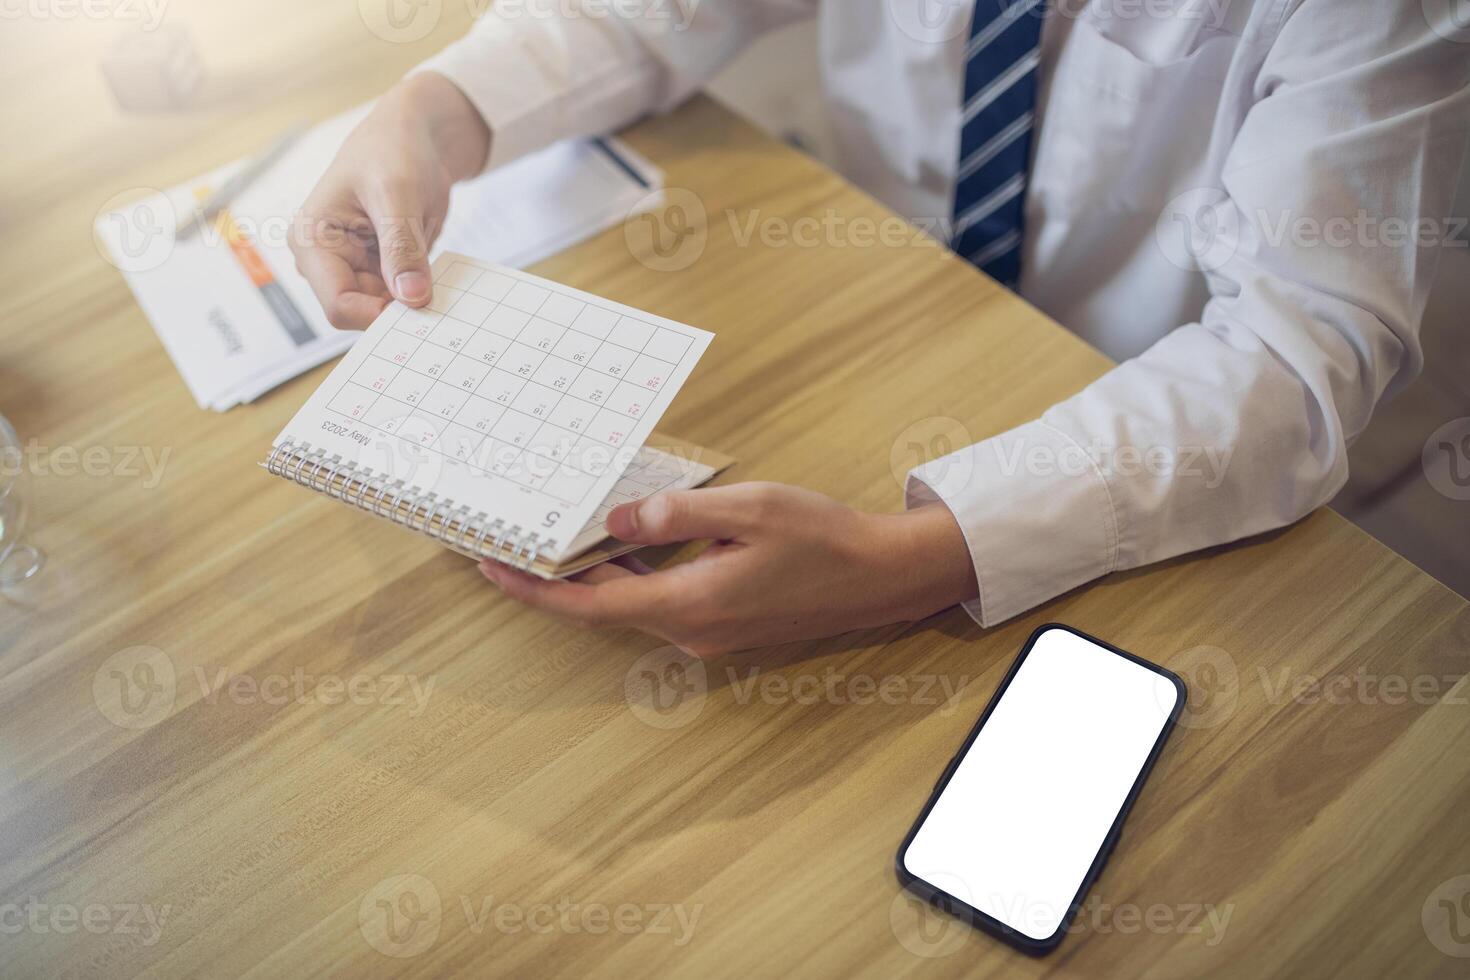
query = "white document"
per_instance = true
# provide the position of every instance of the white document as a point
(510, 396)
(236, 317)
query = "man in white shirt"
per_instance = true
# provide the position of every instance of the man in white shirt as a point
(1241, 200)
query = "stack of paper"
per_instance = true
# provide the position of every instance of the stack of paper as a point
(237, 318)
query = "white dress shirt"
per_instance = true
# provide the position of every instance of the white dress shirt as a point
(1296, 143)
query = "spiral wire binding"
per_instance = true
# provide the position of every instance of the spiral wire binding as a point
(384, 497)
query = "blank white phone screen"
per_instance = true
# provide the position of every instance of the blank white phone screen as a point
(1033, 800)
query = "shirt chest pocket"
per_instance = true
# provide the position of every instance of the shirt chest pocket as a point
(1122, 131)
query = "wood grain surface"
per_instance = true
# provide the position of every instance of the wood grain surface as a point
(246, 731)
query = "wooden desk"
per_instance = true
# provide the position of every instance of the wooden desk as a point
(563, 827)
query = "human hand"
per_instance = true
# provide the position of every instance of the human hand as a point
(365, 230)
(786, 564)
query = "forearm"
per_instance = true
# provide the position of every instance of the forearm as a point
(1241, 422)
(924, 562)
(448, 118)
(577, 72)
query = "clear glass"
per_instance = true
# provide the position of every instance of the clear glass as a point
(19, 560)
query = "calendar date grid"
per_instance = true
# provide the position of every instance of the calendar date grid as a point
(548, 415)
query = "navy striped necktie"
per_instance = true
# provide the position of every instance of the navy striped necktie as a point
(995, 139)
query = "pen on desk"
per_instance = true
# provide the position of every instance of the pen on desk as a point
(259, 272)
(618, 160)
(244, 177)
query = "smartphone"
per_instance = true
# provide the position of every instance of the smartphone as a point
(1026, 813)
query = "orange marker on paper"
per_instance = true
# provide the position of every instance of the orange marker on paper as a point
(260, 274)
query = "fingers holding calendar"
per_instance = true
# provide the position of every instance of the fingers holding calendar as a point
(504, 418)
(351, 297)
(369, 223)
(786, 564)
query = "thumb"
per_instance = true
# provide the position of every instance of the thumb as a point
(672, 516)
(403, 248)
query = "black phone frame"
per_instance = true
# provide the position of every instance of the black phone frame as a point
(987, 923)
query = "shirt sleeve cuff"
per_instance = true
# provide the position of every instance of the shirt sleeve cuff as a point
(1035, 512)
(496, 68)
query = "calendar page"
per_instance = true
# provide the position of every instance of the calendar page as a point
(510, 395)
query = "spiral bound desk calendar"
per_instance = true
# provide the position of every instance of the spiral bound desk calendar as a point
(476, 535)
(531, 402)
